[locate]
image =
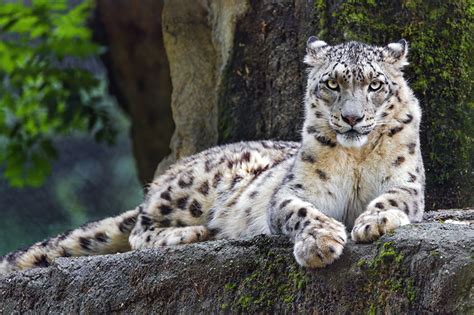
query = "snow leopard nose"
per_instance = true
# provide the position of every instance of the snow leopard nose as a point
(352, 120)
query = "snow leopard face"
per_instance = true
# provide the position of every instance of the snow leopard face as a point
(349, 84)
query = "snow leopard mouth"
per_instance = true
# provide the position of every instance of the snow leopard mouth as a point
(352, 133)
(351, 138)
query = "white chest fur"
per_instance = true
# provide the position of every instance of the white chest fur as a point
(342, 182)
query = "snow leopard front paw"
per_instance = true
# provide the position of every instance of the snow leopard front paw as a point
(317, 246)
(369, 226)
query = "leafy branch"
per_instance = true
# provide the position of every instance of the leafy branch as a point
(41, 97)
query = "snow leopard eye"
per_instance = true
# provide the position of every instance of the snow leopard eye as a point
(332, 84)
(375, 85)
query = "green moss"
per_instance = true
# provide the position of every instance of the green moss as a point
(362, 263)
(230, 286)
(410, 290)
(387, 276)
(440, 34)
(275, 279)
(372, 310)
(225, 124)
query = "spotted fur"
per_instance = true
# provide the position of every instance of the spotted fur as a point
(358, 166)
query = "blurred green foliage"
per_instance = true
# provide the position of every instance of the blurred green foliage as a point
(89, 181)
(40, 96)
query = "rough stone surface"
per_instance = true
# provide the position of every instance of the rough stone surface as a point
(426, 267)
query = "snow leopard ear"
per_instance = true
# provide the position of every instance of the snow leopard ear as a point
(315, 51)
(396, 53)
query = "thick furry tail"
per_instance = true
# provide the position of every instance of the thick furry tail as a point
(106, 236)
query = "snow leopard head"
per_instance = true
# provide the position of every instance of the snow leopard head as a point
(349, 86)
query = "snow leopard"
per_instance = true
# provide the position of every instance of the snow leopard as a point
(358, 169)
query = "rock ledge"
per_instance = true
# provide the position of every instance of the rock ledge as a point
(426, 267)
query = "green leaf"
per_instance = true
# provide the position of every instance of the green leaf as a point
(40, 96)
(24, 25)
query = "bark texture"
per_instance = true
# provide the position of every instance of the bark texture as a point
(264, 84)
(421, 268)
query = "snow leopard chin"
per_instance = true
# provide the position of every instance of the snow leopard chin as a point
(351, 140)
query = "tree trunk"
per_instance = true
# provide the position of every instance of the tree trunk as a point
(264, 83)
(199, 40)
(138, 73)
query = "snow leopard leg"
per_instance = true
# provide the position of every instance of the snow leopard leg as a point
(318, 239)
(106, 236)
(150, 232)
(397, 207)
(155, 237)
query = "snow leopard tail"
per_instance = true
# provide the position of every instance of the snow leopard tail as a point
(106, 236)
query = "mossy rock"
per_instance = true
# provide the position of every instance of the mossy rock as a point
(422, 268)
(276, 279)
